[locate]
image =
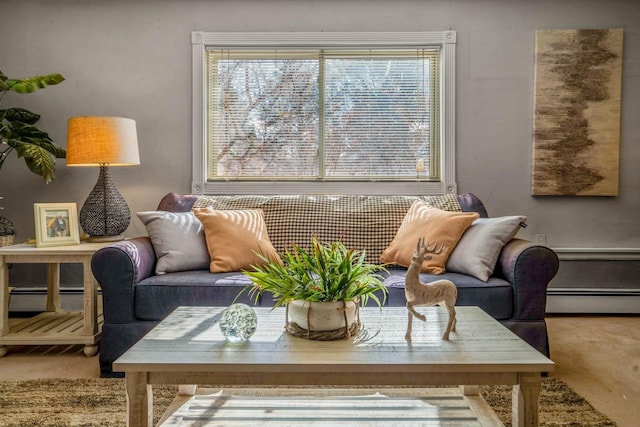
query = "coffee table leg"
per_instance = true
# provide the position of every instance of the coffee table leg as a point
(187, 389)
(524, 400)
(470, 390)
(139, 400)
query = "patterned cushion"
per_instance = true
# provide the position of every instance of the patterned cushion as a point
(345, 218)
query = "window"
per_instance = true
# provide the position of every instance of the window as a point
(368, 113)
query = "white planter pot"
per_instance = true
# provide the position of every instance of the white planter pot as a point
(322, 316)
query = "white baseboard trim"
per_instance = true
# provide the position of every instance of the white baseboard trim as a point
(598, 254)
(593, 301)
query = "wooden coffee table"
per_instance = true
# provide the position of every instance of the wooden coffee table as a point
(188, 348)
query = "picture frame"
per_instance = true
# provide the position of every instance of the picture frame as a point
(56, 224)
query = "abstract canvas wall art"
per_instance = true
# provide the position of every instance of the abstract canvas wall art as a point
(578, 77)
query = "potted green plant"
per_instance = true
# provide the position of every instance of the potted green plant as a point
(322, 288)
(18, 133)
(7, 230)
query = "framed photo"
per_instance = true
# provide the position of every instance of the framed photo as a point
(56, 224)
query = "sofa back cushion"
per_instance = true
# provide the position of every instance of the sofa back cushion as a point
(366, 223)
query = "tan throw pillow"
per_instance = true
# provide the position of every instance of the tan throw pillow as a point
(432, 224)
(234, 237)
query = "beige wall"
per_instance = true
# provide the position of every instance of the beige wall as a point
(133, 58)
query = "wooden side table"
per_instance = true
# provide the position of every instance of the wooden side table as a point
(53, 326)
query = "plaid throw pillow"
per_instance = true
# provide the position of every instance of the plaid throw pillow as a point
(366, 223)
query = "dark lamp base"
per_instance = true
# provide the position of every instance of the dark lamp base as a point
(105, 215)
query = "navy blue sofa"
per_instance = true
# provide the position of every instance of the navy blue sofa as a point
(135, 299)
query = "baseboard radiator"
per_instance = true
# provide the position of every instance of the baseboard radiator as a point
(559, 301)
(593, 301)
(34, 299)
(596, 281)
(590, 281)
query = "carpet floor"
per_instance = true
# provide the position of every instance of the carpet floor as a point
(101, 402)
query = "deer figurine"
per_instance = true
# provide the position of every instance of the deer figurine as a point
(441, 292)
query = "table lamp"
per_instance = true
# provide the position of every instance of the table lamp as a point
(104, 142)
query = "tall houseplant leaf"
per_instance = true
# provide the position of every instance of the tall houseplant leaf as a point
(31, 84)
(18, 131)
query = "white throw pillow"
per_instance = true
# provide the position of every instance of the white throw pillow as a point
(178, 240)
(479, 248)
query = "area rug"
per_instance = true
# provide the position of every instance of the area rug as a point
(101, 402)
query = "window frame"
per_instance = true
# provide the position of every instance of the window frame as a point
(444, 40)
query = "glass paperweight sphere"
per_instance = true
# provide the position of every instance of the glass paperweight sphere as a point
(238, 322)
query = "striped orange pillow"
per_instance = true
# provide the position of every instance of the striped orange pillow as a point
(433, 225)
(234, 237)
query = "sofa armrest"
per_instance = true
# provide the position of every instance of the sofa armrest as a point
(529, 268)
(118, 268)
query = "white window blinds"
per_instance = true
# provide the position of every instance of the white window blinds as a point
(323, 114)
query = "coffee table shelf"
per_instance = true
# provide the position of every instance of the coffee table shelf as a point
(440, 407)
